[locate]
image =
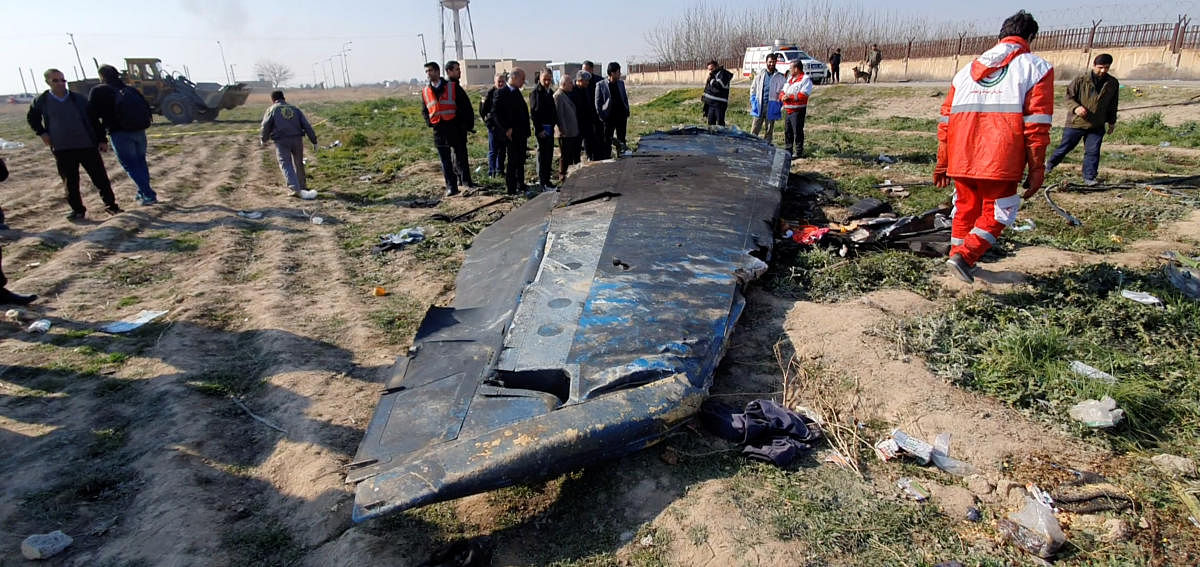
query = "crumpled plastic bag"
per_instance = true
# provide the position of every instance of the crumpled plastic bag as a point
(1034, 529)
(400, 239)
(1097, 413)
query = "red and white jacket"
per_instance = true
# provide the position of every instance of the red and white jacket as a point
(794, 94)
(996, 118)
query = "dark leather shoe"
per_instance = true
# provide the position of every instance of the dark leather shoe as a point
(113, 210)
(10, 298)
(76, 215)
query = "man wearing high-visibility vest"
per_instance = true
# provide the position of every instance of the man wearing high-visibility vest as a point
(794, 97)
(995, 126)
(440, 110)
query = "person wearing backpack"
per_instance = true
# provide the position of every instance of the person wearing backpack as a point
(124, 114)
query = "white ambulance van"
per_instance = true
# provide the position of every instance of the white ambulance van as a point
(756, 60)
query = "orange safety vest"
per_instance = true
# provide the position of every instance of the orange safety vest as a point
(440, 108)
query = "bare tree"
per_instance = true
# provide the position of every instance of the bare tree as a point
(276, 73)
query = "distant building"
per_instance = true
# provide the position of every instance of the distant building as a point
(478, 72)
(563, 68)
(530, 67)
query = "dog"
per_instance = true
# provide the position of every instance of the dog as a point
(860, 74)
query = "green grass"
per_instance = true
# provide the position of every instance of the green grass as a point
(399, 317)
(266, 544)
(1150, 130)
(1017, 346)
(1111, 220)
(815, 274)
(229, 382)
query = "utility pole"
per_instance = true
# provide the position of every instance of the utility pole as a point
(424, 57)
(346, 61)
(331, 73)
(76, 47)
(32, 80)
(314, 69)
(324, 76)
(341, 68)
(232, 75)
(24, 89)
(224, 65)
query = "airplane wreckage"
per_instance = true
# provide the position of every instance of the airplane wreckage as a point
(586, 323)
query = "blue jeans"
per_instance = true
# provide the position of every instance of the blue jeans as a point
(1091, 149)
(497, 148)
(130, 148)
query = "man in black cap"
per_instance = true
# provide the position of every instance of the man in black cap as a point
(1091, 112)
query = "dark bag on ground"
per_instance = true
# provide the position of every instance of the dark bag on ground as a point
(3, 170)
(133, 112)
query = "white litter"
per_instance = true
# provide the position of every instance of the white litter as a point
(254, 215)
(39, 326)
(1093, 413)
(1141, 297)
(1091, 372)
(7, 145)
(132, 323)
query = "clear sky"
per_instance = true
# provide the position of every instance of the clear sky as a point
(304, 34)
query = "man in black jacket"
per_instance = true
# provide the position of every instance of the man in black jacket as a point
(510, 116)
(465, 117)
(62, 120)
(496, 140)
(593, 135)
(125, 115)
(716, 93)
(545, 117)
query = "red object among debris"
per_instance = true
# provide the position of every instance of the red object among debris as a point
(808, 234)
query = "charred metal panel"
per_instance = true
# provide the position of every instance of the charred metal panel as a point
(586, 323)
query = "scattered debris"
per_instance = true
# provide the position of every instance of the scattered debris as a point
(1026, 226)
(1188, 497)
(913, 489)
(1071, 220)
(768, 431)
(1093, 413)
(868, 207)
(974, 515)
(42, 546)
(335, 144)
(1165, 145)
(1184, 274)
(884, 158)
(807, 234)
(941, 458)
(927, 234)
(399, 240)
(1040, 495)
(7, 145)
(40, 326)
(365, 178)
(126, 325)
(1090, 495)
(252, 215)
(447, 218)
(1141, 297)
(316, 220)
(379, 291)
(1174, 465)
(1091, 372)
(14, 315)
(33, 264)
(912, 446)
(1033, 529)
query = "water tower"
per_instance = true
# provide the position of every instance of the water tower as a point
(456, 7)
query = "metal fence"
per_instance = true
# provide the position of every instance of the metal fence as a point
(1176, 36)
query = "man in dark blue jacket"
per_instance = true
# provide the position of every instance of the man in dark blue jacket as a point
(63, 121)
(544, 114)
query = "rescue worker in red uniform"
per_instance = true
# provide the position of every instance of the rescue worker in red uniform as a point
(995, 126)
(440, 110)
(794, 97)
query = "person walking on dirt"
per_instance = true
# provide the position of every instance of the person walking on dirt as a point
(125, 115)
(465, 117)
(873, 61)
(63, 121)
(545, 117)
(569, 142)
(496, 141)
(716, 93)
(1092, 106)
(8, 297)
(995, 125)
(286, 126)
(440, 110)
(794, 97)
(835, 66)
(764, 99)
(510, 115)
(612, 106)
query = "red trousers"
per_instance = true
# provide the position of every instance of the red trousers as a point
(982, 210)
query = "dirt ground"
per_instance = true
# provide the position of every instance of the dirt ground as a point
(131, 445)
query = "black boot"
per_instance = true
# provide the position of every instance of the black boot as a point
(9, 298)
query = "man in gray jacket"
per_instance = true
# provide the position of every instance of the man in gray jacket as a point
(570, 141)
(287, 127)
(63, 121)
(612, 107)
